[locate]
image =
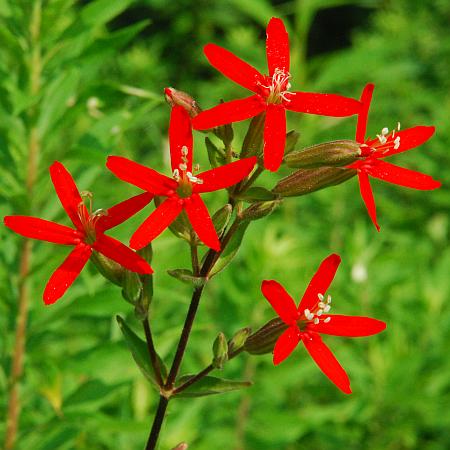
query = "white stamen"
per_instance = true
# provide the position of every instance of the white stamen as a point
(320, 297)
(184, 150)
(327, 308)
(398, 126)
(316, 321)
(385, 131)
(321, 305)
(319, 312)
(382, 139)
(396, 142)
(176, 174)
(308, 314)
(329, 299)
(196, 167)
(183, 167)
(327, 320)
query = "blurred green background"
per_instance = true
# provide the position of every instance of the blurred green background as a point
(88, 78)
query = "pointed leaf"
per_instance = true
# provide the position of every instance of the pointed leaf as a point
(186, 276)
(210, 386)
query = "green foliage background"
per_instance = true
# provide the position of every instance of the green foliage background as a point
(104, 66)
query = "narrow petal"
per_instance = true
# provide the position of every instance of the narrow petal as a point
(120, 253)
(367, 196)
(229, 112)
(326, 361)
(201, 221)
(401, 176)
(274, 136)
(233, 67)
(156, 223)
(225, 176)
(281, 301)
(320, 282)
(286, 344)
(44, 230)
(180, 136)
(366, 98)
(410, 138)
(350, 326)
(143, 177)
(122, 211)
(277, 46)
(67, 191)
(66, 273)
(322, 104)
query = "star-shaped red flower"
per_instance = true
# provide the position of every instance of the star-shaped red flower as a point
(183, 189)
(87, 236)
(310, 319)
(272, 94)
(387, 144)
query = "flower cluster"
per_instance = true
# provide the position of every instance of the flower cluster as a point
(180, 194)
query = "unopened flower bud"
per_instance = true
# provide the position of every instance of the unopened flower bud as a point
(238, 340)
(335, 153)
(174, 97)
(221, 218)
(305, 181)
(291, 141)
(253, 141)
(225, 133)
(220, 351)
(259, 210)
(263, 340)
(110, 269)
(131, 287)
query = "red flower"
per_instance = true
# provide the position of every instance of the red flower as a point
(387, 144)
(310, 319)
(87, 236)
(182, 191)
(272, 94)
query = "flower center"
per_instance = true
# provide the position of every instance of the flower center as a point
(385, 142)
(88, 218)
(278, 86)
(322, 306)
(185, 178)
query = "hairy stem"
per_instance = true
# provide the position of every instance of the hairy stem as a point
(13, 412)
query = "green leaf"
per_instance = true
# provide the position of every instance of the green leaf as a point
(140, 354)
(256, 194)
(100, 12)
(210, 386)
(230, 250)
(186, 276)
(55, 102)
(216, 157)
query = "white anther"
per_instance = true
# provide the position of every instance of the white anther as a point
(199, 181)
(176, 174)
(183, 167)
(327, 320)
(327, 308)
(385, 131)
(196, 167)
(316, 321)
(397, 142)
(320, 297)
(308, 314)
(398, 126)
(329, 299)
(382, 139)
(321, 305)
(184, 150)
(319, 312)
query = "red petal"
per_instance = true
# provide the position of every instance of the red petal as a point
(351, 326)
(44, 230)
(401, 176)
(156, 223)
(277, 46)
(326, 361)
(143, 177)
(274, 136)
(120, 253)
(122, 211)
(411, 138)
(201, 222)
(320, 282)
(322, 104)
(66, 273)
(286, 344)
(225, 176)
(367, 196)
(67, 192)
(281, 301)
(180, 135)
(233, 67)
(229, 112)
(366, 98)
